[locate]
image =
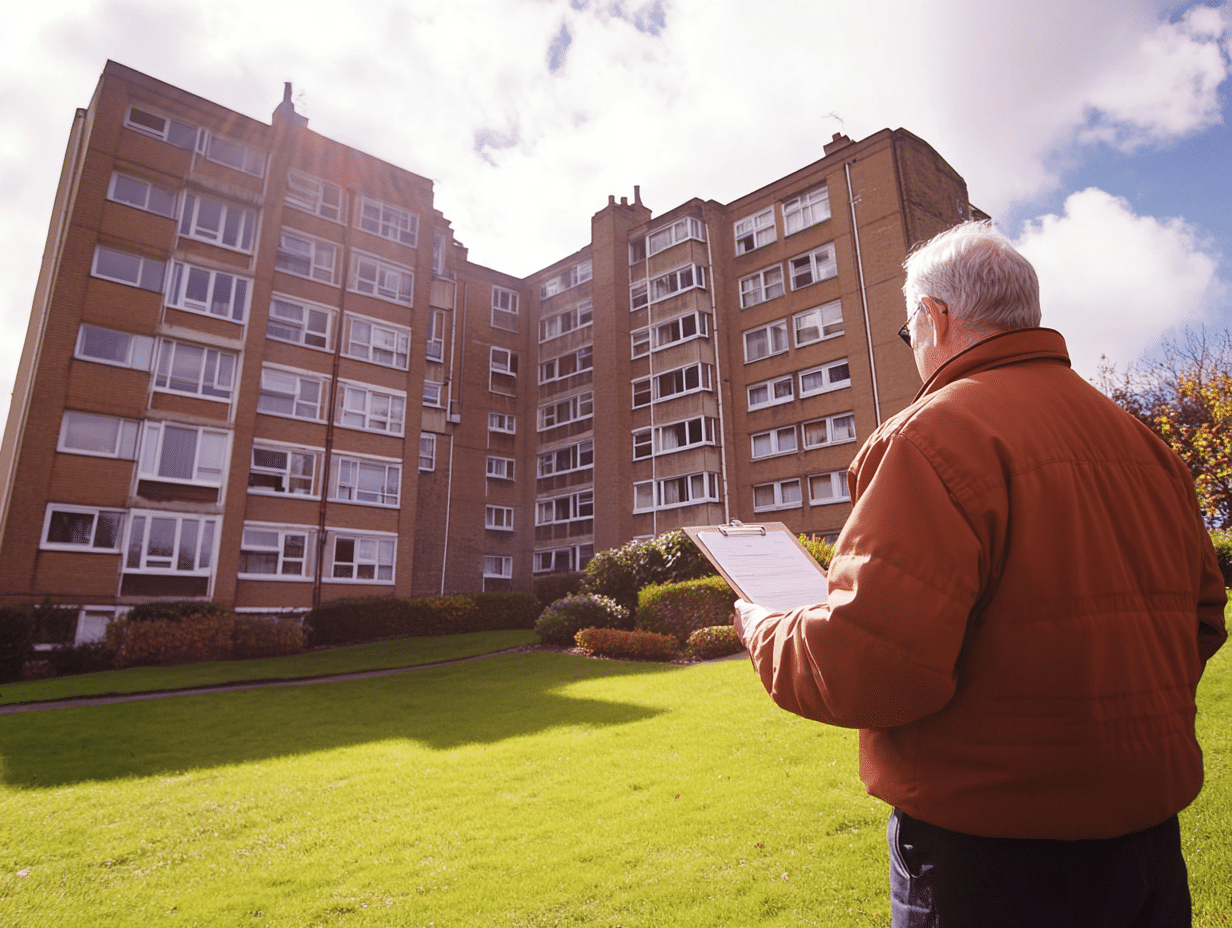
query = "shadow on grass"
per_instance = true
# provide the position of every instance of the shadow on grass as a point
(482, 702)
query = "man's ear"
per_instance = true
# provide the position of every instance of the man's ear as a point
(939, 316)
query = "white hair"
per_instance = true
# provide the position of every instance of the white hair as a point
(978, 274)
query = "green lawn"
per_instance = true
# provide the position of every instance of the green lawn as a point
(533, 789)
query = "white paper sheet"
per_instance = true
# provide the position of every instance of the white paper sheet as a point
(770, 569)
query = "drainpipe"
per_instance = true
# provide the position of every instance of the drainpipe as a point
(453, 345)
(718, 379)
(868, 329)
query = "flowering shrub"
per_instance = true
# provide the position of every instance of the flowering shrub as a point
(615, 642)
(716, 641)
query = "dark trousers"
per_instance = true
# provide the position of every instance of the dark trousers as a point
(944, 879)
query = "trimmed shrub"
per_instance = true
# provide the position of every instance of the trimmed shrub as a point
(174, 610)
(344, 621)
(821, 549)
(496, 612)
(556, 586)
(1222, 540)
(256, 636)
(716, 641)
(54, 624)
(182, 640)
(562, 620)
(679, 609)
(84, 658)
(621, 573)
(615, 642)
(16, 640)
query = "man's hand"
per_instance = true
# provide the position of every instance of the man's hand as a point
(748, 618)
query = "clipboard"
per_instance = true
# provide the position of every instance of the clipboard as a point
(764, 563)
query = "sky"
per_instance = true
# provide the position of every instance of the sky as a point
(1094, 132)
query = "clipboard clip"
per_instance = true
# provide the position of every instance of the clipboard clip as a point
(736, 527)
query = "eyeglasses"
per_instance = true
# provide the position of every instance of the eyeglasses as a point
(904, 333)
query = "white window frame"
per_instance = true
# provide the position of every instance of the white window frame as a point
(643, 394)
(689, 277)
(294, 386)
(388, 221)
(502, 371)
(786, 494)
(703, 374)
(637, 249)
(434, 348)
(235, 155)
(316, 196)
(292, 474)
(813, 266)
(433, 394)
(503, 422)
(228, 293)
(380, 409)
(504, 309)
(826, 321)
(289, 566)
(499, 468)
(700, 487)
(319, 256)
(639, 295)
(427, 452)
(382, 278)
(834, 478)
(124, 442)
(569, 507)
(561, 323)
(300, 322)
(829, 422)
(762, 286)
(498, 518)
(576, 408)
(756, 231)
(498, 566)
(782, 440)
(351, 477)
(679, 231)
(807, 209)
(127, 350)
(236, 225)
(567, 279)
(145, 274)
(639, 343)
(211, 454)
(173, 131)
(675, 331)
(377, 342)
(566, 459)
(213, 373)
(114, 519)
(703, 426)
(371, 553)
(139, 559)
(575, 558)
(566, 365)
(153, 198)
(826, 372)
(778, 390)
(775, 338)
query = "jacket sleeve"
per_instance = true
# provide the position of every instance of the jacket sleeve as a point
(1212, 632)
(909, 567)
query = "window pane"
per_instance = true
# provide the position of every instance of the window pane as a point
(70, 528)
(179, 454)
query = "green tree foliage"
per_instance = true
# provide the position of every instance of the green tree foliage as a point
(621, 572)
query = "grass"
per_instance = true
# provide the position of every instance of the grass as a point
(376, 655)
(532, 789)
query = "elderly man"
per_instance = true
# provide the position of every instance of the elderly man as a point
(1020, 608)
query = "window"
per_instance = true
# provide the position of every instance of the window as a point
(776, 441)
(498, 518)
(183, 454)
(504, 309)
(387, 221)
(179, 134)
(560, 323)
(276, 469)
(213, 292)
(373, 410)
(235, 155)
(363, 558)
(571, 457)
(817, 323)
(79, 528)
(814, 266)
(681, 329)
(433, 394)
(219, 223)
(293, 320)
(641, 342)
(500, 468)
(272, 551)
(427, 452)
(675, 491)
(828, 488)
(569, 508)
(755, 231)
(832, 430)
(679, 231)
(765, 341)
(676, 281)
(316, 196)
(497, 565)
(284, 393)
(572, 409)
(185, 368)
(439, 243)
(771, 392)
(832, 376)
(108, 346)
(679, 436)
(502, 422)
(382, 279)
(639, 296)
(101, 436)
(765, 285)
(436, 335)
(303, 256)
(358, 481)
(641, 393)
(378, 342)
(503, 371)
(566, 280)
(125, 268)
(169, 542)
(808, 209)
(682, 380)
(144, 195)
(637, 250)
(784, 494)
(643, 446)
(567, 365)
(563, 560)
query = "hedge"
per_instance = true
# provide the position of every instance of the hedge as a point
(345, 621)
(716, 641)
(615, 642)
(1222, 540)
(679, 609)
(17, 627)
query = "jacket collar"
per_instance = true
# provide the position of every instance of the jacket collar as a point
(1012, 347)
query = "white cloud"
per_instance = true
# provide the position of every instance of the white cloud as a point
(1113, 282)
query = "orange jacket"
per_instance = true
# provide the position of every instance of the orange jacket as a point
(1020, 607)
